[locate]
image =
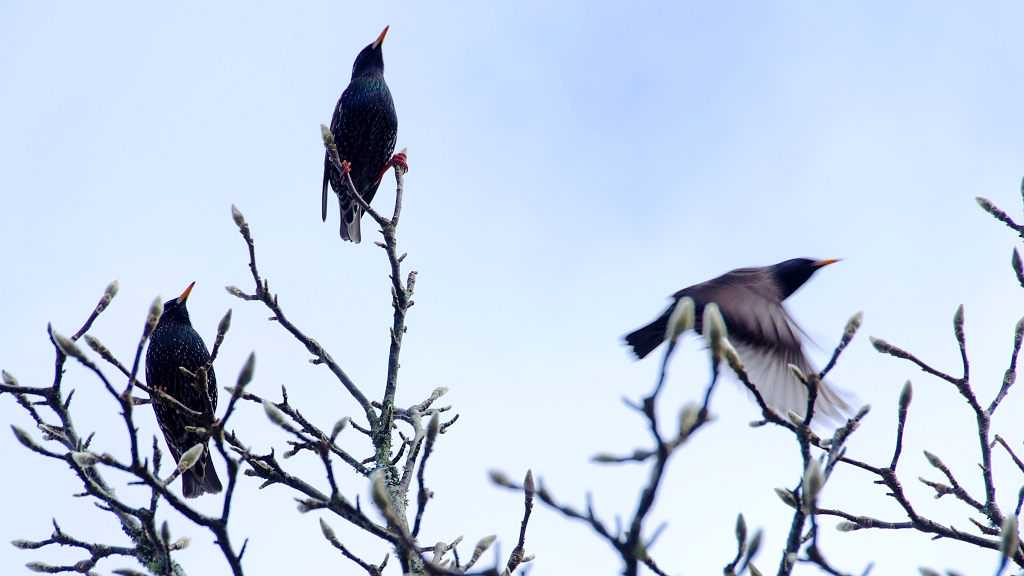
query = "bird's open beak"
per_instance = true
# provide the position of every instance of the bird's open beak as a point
(184, 295)
(821, 263)
(380, 38)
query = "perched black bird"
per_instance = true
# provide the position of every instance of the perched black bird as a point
(176, 344)
(365, 128)
(760, 328)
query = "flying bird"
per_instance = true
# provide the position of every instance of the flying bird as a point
(174, 345)
(365, 128)
(760, 328)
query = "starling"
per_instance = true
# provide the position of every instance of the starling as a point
(174, 345)
(761, 330)
(365, 128)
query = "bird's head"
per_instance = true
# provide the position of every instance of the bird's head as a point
(175, 310)
(371, 59)
(791, 274)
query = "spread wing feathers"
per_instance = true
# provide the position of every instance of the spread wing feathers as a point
(751, 310)
(768, 341)
(782, 390)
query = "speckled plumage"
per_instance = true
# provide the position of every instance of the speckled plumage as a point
(760, 328)
(175, 344)
(365, 129)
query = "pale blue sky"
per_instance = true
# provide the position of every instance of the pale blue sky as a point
(572, 164)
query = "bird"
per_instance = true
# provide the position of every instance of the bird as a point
(365, 129)
(174, 345)
(764, 334)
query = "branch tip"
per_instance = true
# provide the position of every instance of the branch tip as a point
(156, 309)
(906, 395)
(238, 217)
(715, 329)
(246, 373)
(681, 320)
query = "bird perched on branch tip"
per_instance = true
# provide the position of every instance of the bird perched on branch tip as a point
(760, 328)
(175, 345)
(365, 128)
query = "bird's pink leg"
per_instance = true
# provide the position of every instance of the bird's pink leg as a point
(399, 159)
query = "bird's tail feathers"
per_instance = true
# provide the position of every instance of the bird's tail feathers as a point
(645, 340)
(351, 214)
(323, 205)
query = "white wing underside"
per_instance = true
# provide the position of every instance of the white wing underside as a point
(783, 391)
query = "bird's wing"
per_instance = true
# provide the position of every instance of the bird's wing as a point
(336, 119)
(347, 130)
(327, 178)
(782, 390)
(767, 340)
(752, 310)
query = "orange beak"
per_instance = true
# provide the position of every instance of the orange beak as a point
(380, 38)
(184, 295)
(821, 263)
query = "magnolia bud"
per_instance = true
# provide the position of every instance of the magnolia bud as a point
(236, 215)
(681, 320)
(434, 427)
(67, 346)
(225, 323)
(812, 483)
(755, 543)
(338, 427)
(245, 374)
(880, 345)
(485, 543)
(714, 328)
(108, 295)
(934, 460)
(156, 309)
(380, 493)
(688, 418)
(787, 497)
(328, 531)
(274, 413)
(25, 439)
(190, 457)
(905, 396)
(500, 478)
(853, 324)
